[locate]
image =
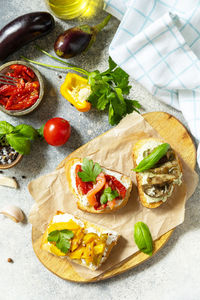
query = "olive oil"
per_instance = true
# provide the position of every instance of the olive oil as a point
(70, 9)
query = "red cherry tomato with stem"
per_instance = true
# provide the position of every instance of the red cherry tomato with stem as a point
(57, 131)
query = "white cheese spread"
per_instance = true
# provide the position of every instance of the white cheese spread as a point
(66, 218)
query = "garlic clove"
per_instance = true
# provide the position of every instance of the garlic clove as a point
(13, 212)
(8, 181)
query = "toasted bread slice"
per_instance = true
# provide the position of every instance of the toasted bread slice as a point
(141, 144)
(96, 236)
(126, 181)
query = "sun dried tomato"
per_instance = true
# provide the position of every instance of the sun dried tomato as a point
(83, 187)
(116, 185)
(26, 91)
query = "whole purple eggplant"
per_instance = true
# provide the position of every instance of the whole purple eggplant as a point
(77, 39)
(23, 30)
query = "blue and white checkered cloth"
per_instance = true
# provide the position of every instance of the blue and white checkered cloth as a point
(158, 44)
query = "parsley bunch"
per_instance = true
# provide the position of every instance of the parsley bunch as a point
(62, 238)
(109, 88)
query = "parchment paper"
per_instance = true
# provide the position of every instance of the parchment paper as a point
(113, 150)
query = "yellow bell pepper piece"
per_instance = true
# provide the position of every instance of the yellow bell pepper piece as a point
(99, 249)
(70, 225)
(56, 251)
(77, 254)
(76, 90)
(77, 240)
(90, 237)
(89, 253)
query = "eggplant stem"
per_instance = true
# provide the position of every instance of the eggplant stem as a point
(56, 67)
(101, 25)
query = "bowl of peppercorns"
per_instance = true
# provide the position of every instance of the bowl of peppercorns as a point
(8, 156)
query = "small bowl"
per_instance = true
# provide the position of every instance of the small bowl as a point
(8, 166)
(3, 69)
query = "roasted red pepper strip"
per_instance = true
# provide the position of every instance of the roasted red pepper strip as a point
(83, 187)
(26, 91)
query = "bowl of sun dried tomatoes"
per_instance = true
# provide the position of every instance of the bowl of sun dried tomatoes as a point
(22, 89)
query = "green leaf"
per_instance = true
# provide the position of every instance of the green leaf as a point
(116, 109)
(18, 142)
(67, 233)
(143, 238)
(53, 236)
(63, 244)
(92, 77)
(121, 107)
(6, 127)
(149, 161)
(90, 171)
(132, 105)
(112, 64)
(62, 239)
(27, 131)
(41, 131)
(113, 118)
(102, 102)
(108, 195)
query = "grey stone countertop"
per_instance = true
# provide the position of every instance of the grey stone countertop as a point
(173, 273)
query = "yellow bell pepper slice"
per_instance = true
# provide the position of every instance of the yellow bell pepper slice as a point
(77, 240)
(56, 251)
(99, 249)
(77, 254)
(70, 225)
(90, 237)
(76, 90)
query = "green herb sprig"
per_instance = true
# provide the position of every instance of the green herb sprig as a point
(108, 195)
(19, 137)
(152, 159)
(109, 88)
(62, 238)
(143, 238)
(90, 171)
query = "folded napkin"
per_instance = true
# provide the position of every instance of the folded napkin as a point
(158, 44)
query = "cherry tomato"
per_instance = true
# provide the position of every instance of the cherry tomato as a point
(57, 131)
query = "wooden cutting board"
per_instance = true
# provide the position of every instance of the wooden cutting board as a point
(178, 137)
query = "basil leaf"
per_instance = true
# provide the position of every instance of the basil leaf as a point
(143, 238)
(149, 161)
(18, 142)
(27, 131)
(6, 127)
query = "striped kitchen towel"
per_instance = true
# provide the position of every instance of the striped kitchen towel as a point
(158, 44)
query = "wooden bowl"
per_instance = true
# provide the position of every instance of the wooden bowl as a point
(8, 166)
(3, 69)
